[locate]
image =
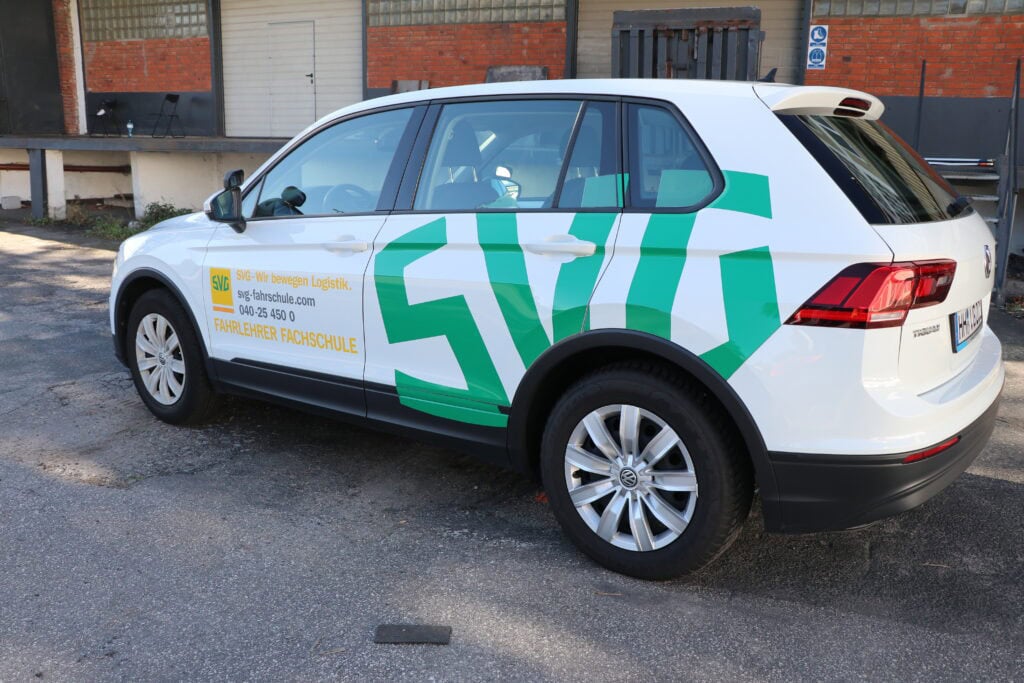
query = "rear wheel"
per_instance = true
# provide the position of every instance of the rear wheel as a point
(166, 360)
(643, 473)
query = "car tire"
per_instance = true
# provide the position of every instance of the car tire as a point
(687, 490)
(166, 360)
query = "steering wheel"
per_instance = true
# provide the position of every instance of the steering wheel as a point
(348, 195)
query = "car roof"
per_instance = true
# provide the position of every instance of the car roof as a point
(627, 87)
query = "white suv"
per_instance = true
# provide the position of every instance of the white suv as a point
(656, 295)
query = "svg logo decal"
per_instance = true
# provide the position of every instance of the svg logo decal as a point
(220, 290)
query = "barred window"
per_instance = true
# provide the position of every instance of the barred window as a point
(883, 8)
(407, 12)
(135, 19)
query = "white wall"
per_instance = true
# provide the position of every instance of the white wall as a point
(184, 179)
(96, 185)
(76, 185)
(14, 182)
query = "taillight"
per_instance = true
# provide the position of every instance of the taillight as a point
(872, 295)
(855, 107)
(856, 103)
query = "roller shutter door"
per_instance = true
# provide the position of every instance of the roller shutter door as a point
(269, 49)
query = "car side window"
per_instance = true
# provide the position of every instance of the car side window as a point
(249, 200)
(592, 178)
(666, 168)
(496, 155)
(339, 170)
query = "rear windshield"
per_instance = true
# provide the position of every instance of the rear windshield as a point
(887, 180)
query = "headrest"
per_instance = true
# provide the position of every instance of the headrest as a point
(461, 147)
(293, 196)
(587, 152)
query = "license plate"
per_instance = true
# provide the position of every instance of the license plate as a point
(964, 324)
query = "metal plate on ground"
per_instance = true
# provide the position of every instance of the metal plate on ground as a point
(413, 634)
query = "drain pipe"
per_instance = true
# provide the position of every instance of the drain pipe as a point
(920, 106)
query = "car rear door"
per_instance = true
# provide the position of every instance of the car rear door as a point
(504, 225)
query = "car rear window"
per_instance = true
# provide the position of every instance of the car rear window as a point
(880, 173)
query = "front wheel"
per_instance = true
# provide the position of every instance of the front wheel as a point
(166, 360)
(643, 472)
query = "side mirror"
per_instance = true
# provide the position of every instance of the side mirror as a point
(226, 207)
(233, 179)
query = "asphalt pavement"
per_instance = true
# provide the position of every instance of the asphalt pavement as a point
(270, 544)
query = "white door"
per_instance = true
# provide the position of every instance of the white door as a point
(291, 71)
(285, 296)
(322, 37)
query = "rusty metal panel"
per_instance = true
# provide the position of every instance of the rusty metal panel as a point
(715, 43)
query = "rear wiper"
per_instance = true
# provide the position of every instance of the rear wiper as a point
(958, 206)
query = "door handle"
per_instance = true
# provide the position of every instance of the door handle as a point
(562, 245)
(347, 243)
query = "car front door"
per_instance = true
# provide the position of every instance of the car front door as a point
(494, 258)
(284, 303)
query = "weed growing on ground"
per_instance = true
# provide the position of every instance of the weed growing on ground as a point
(78, 216)
(158, 211)
(118, 230)
(112, 229)
(1015, 305)
(44, 221)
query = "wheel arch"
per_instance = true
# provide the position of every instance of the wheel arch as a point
(134, 285)
(576, 356)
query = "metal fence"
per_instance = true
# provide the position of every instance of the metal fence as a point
(719, 43)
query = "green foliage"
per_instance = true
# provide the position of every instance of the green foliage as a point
(118, 230)
(44, 221)
(112, 229)
(158, 211)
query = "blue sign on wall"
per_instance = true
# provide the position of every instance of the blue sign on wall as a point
(817, 47)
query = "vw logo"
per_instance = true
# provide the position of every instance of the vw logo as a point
(628, 478)
(988, 262)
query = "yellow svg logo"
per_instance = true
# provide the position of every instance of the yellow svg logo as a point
(220, 290)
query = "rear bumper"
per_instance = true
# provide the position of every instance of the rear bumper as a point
(832, 492)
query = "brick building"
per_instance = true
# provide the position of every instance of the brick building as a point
(249, 73)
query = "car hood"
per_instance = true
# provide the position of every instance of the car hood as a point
(191, 221)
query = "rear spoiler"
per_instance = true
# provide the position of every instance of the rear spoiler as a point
(819, 100)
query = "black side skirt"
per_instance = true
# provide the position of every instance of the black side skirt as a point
(373, 405)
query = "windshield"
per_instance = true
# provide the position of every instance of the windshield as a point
(900, 184)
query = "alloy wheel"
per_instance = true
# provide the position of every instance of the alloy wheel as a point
(630, 477)
(159, 359)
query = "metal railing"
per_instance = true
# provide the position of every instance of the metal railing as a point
(1007, 193)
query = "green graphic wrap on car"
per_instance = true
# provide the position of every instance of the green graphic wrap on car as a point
(748, 280)
(662, 257)
(506, 268)
(746, 193)
(751, 308)
(450, 318)
(748, 290)
(577, 279)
